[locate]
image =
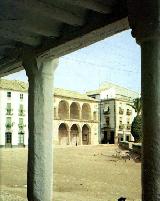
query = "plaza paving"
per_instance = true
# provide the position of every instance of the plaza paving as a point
(84, 173)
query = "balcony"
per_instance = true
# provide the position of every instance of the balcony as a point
(21, 112)
(21, 126)
(129, 112)
(9, 111)
(9, 125)
(121, 111)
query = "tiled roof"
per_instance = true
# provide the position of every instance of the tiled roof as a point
(71, 94)
(16, 85)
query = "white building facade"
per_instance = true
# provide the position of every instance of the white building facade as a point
(75, 119)
(13, 114)
(115, 112)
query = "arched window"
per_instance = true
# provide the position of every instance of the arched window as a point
(75, 110)
(63, 110)
(86, 111)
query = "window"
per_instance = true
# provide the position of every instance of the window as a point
(21, 125)
(9, 109)
(21, 110)
(8, 105)
(20, 120)
(21, 96)
(8, 122)
(127, 138)
(21, 138)
(8, 94)
(107, 121)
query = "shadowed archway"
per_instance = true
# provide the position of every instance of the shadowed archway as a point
(75, 110)
(86, 135)
(63, 134)
(86, 111)
(63, 110)
(74, 134)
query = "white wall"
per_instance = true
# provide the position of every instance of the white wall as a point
(15, 103)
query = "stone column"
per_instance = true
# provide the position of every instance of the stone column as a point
(40, 117)
(144, 21)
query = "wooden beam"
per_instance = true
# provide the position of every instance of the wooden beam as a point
(20, 36)
(29, 25)
(92, 5)
(47, 10)
(57, 50)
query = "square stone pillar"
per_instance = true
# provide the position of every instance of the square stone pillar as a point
(40, 118)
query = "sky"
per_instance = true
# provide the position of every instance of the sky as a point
(116, 59)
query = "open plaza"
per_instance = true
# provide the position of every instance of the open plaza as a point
(83, 173)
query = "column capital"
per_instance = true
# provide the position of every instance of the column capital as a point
(143, 18)
(34, 64)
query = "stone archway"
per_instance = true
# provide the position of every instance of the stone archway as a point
(63, 110)
(74, 135)
(86, 138)
(63, 134)
(75, 111)
(86, 111)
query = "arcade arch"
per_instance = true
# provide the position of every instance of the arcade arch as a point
(75, 110)
(63, 110)
(86, 111)
(74, 135)
(86, 132)
(63, 132)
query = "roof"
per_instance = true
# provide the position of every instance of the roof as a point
(120, 91)
(63, 26)
(17, 85)
(14, 85)
(72, 94)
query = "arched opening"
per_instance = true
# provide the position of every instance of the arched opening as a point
(75, 110)
(74, 135)
(86, 111)
(63, 134)
(63, 110)
(86, 135)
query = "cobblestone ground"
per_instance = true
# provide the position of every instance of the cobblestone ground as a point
(85, 173)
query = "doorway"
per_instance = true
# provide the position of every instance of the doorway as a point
(8, 139)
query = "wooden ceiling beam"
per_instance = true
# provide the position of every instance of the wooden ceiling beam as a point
(47, 10)
(40, 28)
(92, 5)
(17, 36)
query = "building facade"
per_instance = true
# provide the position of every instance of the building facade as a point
(75, 116)
(13, 114)
(115, 112)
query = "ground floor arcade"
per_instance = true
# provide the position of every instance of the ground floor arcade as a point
(75, 133)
